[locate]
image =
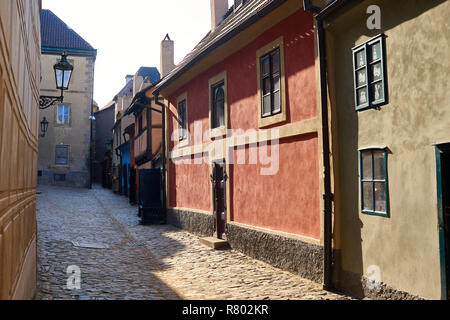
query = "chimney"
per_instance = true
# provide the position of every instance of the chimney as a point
(167, 56)
(218, 9)
(128, 78)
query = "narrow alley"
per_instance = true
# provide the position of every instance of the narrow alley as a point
(99, 232)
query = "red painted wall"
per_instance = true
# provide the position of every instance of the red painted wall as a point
(298, 34)
(289, 200)
(189, 186)
(132, 160)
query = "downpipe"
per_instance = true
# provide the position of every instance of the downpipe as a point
(328, 196)
(164, 168)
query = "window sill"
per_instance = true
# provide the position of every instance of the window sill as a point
(272, 120)
(218, 132)
(60, 167)
(374, 213)
(183, 143)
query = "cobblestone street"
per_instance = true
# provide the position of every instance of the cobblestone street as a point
(132, 261)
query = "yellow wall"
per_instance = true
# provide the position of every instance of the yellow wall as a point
(76, 135)
(406, 245)
(19, 96)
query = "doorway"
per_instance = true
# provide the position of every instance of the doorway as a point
(219, 177)
(443, 172)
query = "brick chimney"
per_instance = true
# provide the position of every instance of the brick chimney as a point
(218, 9)
(167, 56)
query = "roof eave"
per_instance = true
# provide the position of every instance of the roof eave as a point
(225, 38)
(70, 51)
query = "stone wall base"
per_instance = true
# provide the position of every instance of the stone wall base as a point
(292, 255)
(361, 287)
(73, 179)
(200, 224)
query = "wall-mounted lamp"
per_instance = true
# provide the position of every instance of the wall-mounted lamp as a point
(63, 73)
(44, 127)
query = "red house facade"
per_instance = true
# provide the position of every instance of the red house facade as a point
(244, 135)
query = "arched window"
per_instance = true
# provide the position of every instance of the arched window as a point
(218, 110)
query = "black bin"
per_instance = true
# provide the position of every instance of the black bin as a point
(151, 197)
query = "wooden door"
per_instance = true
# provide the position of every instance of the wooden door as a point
(219, 178)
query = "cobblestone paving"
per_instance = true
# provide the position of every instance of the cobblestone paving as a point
(145, 262)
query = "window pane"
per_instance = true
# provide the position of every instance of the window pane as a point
(276, 61)
(362, 96)
(380, 197)
(266, 105)
(66, 114)
(366, 165)
(59, 114)
(376, 51)
(220, 114)
(266, 86)
(362, 77)
(219, 93)
(379, 165)
(181, 114)
(265, 66)
(377, 71)
(368, 196)
(218, 107)
(276, 82)
(61, 155)
(360, 59)
(378, 91)
(182, 120)
(276, 101)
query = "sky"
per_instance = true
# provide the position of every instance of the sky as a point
(127, 34)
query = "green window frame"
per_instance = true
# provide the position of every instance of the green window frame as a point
(369, 73)
(374, 182)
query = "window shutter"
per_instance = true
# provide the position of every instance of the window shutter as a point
(369, 71)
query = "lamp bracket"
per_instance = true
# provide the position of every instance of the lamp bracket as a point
(47, 101)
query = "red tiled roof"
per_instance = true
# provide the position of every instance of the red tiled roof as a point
(55, 33)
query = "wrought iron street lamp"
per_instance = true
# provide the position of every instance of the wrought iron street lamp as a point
(44, 127)
(63, 73)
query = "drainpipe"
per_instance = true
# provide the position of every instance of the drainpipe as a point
(163, 106)
(91, 149)
(328, 196)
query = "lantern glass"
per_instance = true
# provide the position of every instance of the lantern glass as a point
(44, 125)
(63, 73)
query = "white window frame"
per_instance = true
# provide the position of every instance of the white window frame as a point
(63, 106)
